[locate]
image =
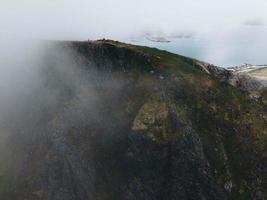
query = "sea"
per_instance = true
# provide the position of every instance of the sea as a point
(224, 51)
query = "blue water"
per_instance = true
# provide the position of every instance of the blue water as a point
(187, 47)
(241, 48)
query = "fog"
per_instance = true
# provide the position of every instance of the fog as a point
(41, 83)
(47, 89)
(229, 28)
(38, 78)
(82, 19)
(223, 24)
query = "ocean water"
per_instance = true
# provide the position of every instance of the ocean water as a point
(244, 46)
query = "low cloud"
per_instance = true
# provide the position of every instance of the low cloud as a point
(255, 22)
(81, 19)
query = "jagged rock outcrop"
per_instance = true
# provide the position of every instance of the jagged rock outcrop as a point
(241, 81)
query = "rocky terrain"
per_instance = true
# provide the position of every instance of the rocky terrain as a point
(132, 122)
(245, 68)
(249, 78)
(256, 72)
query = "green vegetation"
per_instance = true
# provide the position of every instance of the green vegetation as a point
(170, 131)
(227, 120)
(234, 135)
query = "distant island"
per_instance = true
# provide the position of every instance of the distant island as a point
(157, 39)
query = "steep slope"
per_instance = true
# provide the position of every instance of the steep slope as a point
(248, 78)
(139, 123)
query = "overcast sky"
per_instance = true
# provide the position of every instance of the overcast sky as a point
(81, 19)
(231, 29)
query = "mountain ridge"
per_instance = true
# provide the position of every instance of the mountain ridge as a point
(140, 124)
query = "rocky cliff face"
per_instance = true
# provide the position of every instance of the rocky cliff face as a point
(245, 81)
(137, 123)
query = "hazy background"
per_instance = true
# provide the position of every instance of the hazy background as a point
(222, 30)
